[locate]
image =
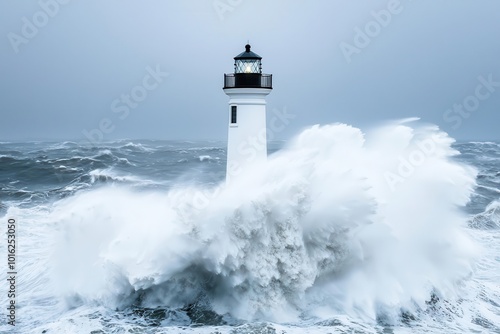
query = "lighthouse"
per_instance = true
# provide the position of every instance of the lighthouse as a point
(247, 89)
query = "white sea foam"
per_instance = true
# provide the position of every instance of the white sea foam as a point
(109, 174)
(137, 146)
(63, 145)
(338, 224)
(316, 232)
(207, 158)
(102, 152)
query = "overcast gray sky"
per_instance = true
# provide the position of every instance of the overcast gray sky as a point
(66, 64)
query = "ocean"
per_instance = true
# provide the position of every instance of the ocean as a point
(392, 230)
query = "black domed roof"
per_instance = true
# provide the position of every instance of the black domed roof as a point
(247, 54)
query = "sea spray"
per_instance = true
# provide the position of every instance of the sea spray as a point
(317, 231)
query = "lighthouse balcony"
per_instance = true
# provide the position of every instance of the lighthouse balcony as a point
(248, 80)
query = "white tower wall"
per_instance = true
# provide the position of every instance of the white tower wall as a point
(247, 138)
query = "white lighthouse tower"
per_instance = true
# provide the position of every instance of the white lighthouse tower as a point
(247, 89)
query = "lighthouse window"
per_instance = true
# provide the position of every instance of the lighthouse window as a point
(248, 66)
(233, 114)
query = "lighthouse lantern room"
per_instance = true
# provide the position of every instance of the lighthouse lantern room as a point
(247, 89)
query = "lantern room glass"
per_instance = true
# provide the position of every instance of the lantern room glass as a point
(248, 66)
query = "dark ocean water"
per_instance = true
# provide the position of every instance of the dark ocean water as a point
(38, 172)
(73, 203)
